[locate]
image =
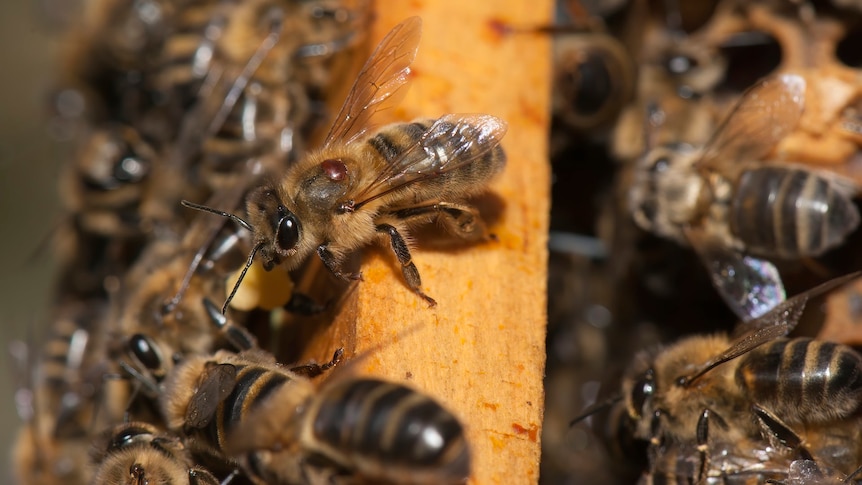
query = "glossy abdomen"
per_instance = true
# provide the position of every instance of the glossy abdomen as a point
(790, 212)
(803, 380)
(390, 432)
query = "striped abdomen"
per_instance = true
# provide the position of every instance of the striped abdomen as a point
(189, 50)
(803, 380)
(390, 432)
(790, 212)
(254, 385)
(455, 180)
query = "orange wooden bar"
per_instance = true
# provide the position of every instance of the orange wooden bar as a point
(481, 350)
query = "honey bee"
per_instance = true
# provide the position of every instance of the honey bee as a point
(104, 184)
(757, 385)
(136, 453)
(239, 67)
(106, 69)
(62, 396)
(275, 424)
(363, 185)
(157, 314)
(733, 208)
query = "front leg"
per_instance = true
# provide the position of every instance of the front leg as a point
(702, 434)
(408, 269)
(333, 264)
(314, 370)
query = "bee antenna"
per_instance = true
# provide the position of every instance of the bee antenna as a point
(142, 379)
(596, 407)
(248, 263)
(853, 475)
(233, 217)
(673, 16)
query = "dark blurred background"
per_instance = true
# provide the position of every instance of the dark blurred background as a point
(29, 159)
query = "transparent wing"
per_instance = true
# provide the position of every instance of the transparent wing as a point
(383, 76)
(217, 384)
(750, 286)
(450, 142)
(774, 324)
(766, 113)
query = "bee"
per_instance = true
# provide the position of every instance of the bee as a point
(363, 185)
(107, 68)
(238, 66)
(136, 453)
(275, 424)
(755, 385)
(734, 209)
(63, 396)
(104, 184)
(162, 292)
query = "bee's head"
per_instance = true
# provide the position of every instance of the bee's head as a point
(113, 159)
(277, 229)
(150, 357)
(664, 190)
(638, 392)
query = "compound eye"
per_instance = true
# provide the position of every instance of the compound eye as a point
(145, 350)
(681, 64)
(660, 165)
(642, 390)
(130, 169)
(287, 233)
(129, 436)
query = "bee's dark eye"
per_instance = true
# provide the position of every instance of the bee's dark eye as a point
(680, 64)
(287, 232)
(642, 390)
(130, 169)
(660, 165)
(145, 350)
(130, 435)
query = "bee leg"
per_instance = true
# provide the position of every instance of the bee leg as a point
(333, 264)
(314, 370)
(703, 444)
(778, 433)
(302, 304)
(408, 269)
(460, 220)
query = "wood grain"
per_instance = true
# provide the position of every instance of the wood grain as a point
(481, 351)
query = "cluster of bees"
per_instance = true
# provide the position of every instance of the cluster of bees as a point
(711, 148)
(187, 114)
(720, 143)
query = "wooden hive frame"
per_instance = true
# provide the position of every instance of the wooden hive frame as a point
(481, 350)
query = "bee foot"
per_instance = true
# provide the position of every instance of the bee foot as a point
(350, 276)
(431, 301)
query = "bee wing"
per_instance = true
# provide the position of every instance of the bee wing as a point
(216, 385)
(451, 142)
(766, 113)
(774, 324)
(381, 78)
(750, 286)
